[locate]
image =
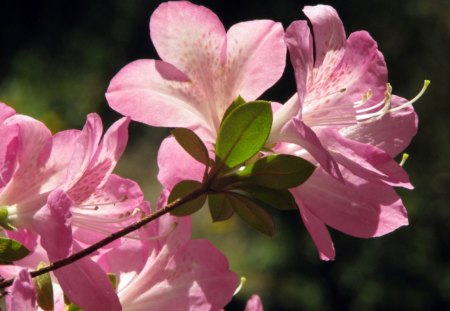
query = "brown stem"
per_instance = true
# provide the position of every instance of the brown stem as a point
(116, 235)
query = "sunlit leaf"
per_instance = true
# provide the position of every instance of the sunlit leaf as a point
(192, 144)
(220, 207)
(280, 199)
(280, 171)
(44, 290)
(11, 250)
(182, 189)
(236, 103)
(243, 133)
(252, 213)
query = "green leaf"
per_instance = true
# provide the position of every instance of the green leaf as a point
(4, 220)
(280, 199)
(220, 207)
(113, 278)
(236, 103)
(182, 189)
(44, 290)
(243, 133)
(11, 250)
(252, 213)
(192, 144)
(280, 171)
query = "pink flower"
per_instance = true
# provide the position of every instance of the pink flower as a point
(203, 68)
(343, 96)
(22, 296)
(254, 304)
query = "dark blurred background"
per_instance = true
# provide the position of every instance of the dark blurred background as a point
(56, 60)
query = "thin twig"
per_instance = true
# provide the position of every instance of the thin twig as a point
(114, 236)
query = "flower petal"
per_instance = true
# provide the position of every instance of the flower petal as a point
(392, 133)
(329, 33)
(87, 286)
(188, 36)
(22, 296)
(175, 164)
(5, 112)
(256, 57)
(364, 160)
(298, 133)
(155, 93)
(359, 208)
(254, 304)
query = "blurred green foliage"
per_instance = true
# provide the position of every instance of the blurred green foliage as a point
(57, 58)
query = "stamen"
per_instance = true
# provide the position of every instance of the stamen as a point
(241, 285)
(364, 100)
(405, 157)
(97, 205)
(92, 218)
(387, 105)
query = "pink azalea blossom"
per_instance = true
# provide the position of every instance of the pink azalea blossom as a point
(62, 189)
(343, 96)
(203, 68)
(22, 296)
(170, 271)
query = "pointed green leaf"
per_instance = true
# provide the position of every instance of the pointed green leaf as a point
(280, 199)
(243, 133)
(236, 103)
(113, 278)
(182, 189)
(252, 213)
(44, 290)
(280, 171)
(220, 207)
(11, 250)
(192, 144)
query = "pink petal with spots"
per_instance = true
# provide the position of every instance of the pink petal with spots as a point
(188, 36)
(85, 147)
(102, 162)
(329, 33)
(365, 161)
(300, 44)
(33, 149)
(22, 296)
(359, 208)
(254, 304)
(392, 133)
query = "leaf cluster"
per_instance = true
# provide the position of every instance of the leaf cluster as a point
(243, 178)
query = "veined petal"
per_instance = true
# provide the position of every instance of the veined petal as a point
(357, 207)
(317, 229)
(102, 162)
(329, 33)
(22, 296)
(188, 36)
(52, 223)
(298, 133)
(155, 93)
(196, 277)
(87, 286)
(256, 57)
(392, 132)
(300, 44)
(364, 160)
(33, 149)
(85, 148)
